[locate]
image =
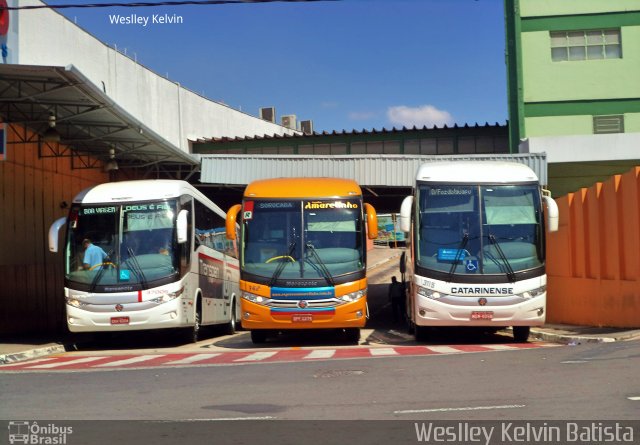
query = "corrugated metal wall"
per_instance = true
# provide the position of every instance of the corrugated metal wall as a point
(367, 170)
(32, 190)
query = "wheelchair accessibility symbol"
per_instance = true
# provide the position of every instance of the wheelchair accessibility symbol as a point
(471, 265)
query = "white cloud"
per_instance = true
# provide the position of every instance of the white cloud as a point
(418, 116)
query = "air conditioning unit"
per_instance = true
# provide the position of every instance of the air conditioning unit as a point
(306, 127)
(268, 114)
(289, 121)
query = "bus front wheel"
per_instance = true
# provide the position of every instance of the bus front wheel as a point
(232, 325)
(420, 333)
(258, 336)
(352, 335)
(521, 333)
(192, 333)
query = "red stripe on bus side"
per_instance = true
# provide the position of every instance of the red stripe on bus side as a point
(202, 255)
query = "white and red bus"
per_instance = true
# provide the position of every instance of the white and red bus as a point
(477, 246)
(165, 259)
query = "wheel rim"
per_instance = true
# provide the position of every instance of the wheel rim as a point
(232, 322)
(196, 326)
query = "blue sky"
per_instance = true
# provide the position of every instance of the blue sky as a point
(352, 64)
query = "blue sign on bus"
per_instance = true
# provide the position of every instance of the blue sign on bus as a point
(451, 254)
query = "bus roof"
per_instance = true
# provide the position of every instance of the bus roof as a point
(492, 172)
(302, 188)
(141, 190)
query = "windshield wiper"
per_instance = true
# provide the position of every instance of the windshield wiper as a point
(282, 264)
(98, 275)
(133, 260)
(463, 244)
(511, 276)
(319, 264)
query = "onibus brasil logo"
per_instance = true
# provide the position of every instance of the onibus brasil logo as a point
(33, 433)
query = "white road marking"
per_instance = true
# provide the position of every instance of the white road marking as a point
(256, 356)
(321, 353)
(444, 349)
(128, 361)
(467, 408)
(383, 351)
(499, 347)
(635, 398)
(62, 363)
(192, 359)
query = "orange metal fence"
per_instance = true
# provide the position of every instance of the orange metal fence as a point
(593, 260)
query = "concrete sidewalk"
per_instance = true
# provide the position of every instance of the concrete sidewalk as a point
(25, 348)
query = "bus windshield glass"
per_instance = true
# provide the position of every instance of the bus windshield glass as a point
(488, 229)
(302, 239)
(117, 245)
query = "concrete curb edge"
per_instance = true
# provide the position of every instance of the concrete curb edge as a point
(6, 359)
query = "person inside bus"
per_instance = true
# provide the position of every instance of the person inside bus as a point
(94, 256)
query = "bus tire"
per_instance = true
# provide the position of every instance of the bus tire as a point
(258, 336)
(353, 335)
(521, 333)
(232, 325)
(193, 332)
(421, 333)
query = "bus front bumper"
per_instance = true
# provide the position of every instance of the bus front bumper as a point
(349, 315)
(166, 315)
(433, 312)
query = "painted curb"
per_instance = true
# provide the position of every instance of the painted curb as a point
(6, 359)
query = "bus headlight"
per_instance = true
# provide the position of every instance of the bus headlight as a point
(258, 299)
(72, 301)
(168, 296)
(353, 296)
(429, 293)
(533, 293)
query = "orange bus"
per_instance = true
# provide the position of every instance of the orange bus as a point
(303, 255)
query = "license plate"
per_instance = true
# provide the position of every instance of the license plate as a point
(482, 315)
(119, 320)
(302, 318)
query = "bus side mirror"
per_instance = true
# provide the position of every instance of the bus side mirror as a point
(230, 223)
(182, 226)
(53, 234)
(405, 214)
(372, 221)
(403, 263)
(553, 214)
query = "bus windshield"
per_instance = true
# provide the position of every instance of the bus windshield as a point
(128, 244)
(302, 239)
(488, 229)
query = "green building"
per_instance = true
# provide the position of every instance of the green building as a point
(573, 71)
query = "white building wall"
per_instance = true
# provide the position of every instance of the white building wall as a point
(45, 37)
(590, 148)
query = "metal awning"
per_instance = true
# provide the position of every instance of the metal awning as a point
(368, 170)
(89, 122)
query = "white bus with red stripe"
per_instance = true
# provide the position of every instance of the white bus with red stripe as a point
(168, 262)
(477, 249)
